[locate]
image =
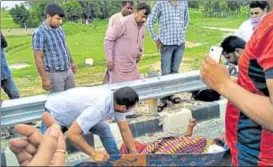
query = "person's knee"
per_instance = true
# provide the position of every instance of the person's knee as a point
(106, 132)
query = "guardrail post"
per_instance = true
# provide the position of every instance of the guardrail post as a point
(152, 105)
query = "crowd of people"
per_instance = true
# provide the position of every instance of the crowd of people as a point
(77, 111)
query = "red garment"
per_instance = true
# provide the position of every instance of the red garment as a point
(139, 146)
(249, 143)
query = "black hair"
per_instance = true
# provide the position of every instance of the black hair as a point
(126, 96)
(142, 6)
(219, 142)
(230, 43)
(124, 3)
(258, 4)
(53, 9)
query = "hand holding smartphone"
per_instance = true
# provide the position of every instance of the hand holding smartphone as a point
(215, 53)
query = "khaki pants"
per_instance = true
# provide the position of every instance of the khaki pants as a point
(61, 81)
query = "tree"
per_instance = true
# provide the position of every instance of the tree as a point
(73, 10)
(20, 15)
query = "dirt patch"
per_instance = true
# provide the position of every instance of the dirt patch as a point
(192, 44)
(18, 66)
(186, 65)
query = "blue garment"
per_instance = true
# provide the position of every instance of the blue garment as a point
(171, 57)
(7, 82)
(5, 71)
(173, 22)
(53, 44)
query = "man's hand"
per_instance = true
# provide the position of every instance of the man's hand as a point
(109, 65)
(138, 57)
(74, 67)
(37, 149)
(213, 74)
(100, 156)
(158, 44)
(46, 84)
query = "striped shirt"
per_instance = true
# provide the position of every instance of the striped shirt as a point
(52, 42)
(173, 22)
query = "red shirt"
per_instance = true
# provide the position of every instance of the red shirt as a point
(250, 144)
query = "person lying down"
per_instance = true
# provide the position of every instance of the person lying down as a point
(180, 145)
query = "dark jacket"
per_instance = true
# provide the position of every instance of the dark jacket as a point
(4, 43)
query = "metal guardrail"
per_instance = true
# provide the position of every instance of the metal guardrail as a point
(31, 108)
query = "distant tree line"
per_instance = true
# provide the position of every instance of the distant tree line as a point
(220, 8)
(30, 13)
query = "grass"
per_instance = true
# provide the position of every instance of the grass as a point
(86, 41)
(6, 20)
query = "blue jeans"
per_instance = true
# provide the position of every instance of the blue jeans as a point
(171, 57)
(104, 132)
(10, 88)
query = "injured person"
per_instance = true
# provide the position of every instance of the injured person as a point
(180, 145)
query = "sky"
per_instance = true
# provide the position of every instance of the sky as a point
(9, 4)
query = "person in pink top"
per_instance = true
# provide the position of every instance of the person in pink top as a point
(126, 10)
(123, 45)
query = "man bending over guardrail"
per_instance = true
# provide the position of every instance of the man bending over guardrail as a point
(83, 110)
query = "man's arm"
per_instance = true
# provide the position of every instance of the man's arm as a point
(38, 47)
(73, 63)
(112, 34)
(151, 21)
(75, 134)
(127, 136)
(187, 15)
(40, 67)
(258, 108)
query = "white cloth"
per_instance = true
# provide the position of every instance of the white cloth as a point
(245, 31)
(114, 18)
(215, 149)
(87, 106)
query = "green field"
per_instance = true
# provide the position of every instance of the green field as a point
(86, 41)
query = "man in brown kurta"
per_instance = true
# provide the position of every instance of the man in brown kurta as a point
(123, 45)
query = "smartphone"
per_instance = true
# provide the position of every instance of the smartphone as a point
(215, 53)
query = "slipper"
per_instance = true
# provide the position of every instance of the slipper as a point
(175, 100)
(161, 106)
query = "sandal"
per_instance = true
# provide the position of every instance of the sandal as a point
(161, 106)
(175, 100)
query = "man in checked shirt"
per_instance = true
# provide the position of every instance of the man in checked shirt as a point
(173, 16)
(52, 57)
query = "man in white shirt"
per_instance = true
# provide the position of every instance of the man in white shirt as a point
(83, 110)
(126, 10)
(257, 12)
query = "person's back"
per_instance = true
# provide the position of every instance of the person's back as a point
(71, 103)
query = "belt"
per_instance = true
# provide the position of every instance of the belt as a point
(56, 70)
